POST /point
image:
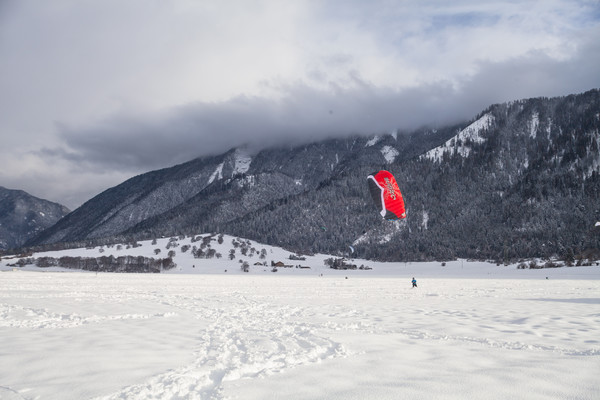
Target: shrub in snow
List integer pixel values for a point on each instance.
(45, 262)
(108, 264)
(551, 264)
(25, 261)
(339, 263)
(198, 253)
(245, 266)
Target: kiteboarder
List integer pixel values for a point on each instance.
(414, 282)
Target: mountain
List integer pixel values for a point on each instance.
(519, 180)
(22, 216)
(219, 189)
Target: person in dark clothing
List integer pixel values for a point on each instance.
(414, 282)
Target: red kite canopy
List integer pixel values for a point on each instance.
(386, 195)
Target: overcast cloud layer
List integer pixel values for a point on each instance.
(94, 92)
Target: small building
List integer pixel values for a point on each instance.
(280, 264)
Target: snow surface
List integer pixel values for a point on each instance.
(533, 125)
(242, 162)
(471, 330)
(218, 174)
(373, 141)
(470, 133)
(389, 153)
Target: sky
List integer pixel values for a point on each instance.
(94, 92)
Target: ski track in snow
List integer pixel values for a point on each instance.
(251, 342)
(42, 318)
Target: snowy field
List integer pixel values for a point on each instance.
(469, 331)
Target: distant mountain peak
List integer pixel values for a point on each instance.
(22, 216)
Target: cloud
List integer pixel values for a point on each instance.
(301, 113)
(94, 91)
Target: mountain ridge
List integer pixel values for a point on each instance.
(22, 216)
(499, 187)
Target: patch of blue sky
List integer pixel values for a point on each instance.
(463, 20)
(592, 16)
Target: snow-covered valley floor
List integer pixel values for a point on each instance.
(266, 336)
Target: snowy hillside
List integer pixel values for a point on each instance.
(460, 144)
(217, 254)
(217, 258)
